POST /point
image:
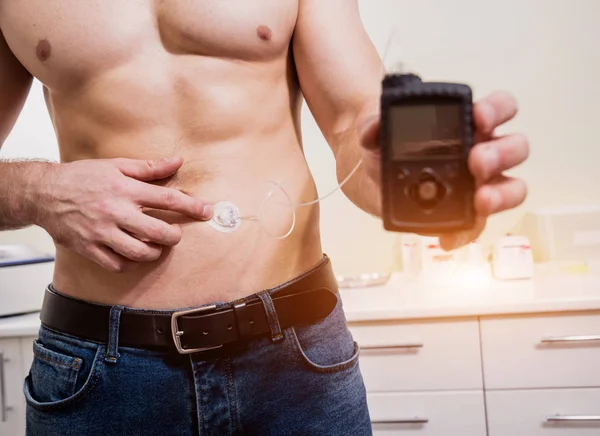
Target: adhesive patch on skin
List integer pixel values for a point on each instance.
(264, 33)
(226, 217)
(43, 50)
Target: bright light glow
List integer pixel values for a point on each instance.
(474, 276)
(461, 276)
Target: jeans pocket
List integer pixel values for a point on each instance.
(326, 346)
(62, 372)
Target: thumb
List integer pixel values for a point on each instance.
(369, 132)
(146, 170)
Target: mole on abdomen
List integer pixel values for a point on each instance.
(43, 50)
(264, 33)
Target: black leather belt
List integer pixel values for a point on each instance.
(303, 300)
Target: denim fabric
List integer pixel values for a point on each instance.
(308, 383)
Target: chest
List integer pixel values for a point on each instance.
(74, 39)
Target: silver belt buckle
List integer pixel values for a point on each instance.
(178, 333)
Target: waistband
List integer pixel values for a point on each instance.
(304, 299)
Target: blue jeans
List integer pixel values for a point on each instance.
(309, 383)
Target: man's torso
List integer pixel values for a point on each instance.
(212, 81)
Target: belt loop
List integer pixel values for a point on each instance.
(276, 333)
(112, 348)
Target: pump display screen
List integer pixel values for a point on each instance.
(421, 130)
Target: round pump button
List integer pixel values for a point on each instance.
(428, 190)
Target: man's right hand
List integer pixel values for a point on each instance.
(94, 207)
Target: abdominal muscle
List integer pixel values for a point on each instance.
(235, 126)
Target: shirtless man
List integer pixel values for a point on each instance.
(214, 87)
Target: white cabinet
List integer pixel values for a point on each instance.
(544, 412)
(428, 413)
(541, 351)
(420, 356)
(539, 375)
(423, 377)
(17, 354)
(12, 404)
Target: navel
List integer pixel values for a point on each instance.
(264, 33)
(43, 50)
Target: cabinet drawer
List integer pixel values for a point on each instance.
(410, 356)
(428, 413)
(541, 351)
(12, 402)
(548, 412)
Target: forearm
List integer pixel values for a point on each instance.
(361, 188)
(21, 185)
(340, 76)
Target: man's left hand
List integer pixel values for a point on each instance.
(489, 158)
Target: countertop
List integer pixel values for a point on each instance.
(23, 325)
(403, 298)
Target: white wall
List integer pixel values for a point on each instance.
(543, 51)
(32, 137)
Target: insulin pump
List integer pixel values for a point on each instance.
(426, 135)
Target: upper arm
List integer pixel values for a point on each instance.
(15, 82)
(338, 67)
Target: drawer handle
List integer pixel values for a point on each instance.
(3, 407)
(390, 347)
(567, 418)
(402, 421)
(590, 338)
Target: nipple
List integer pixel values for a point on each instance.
(226, 217)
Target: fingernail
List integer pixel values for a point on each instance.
(207, 212)
(448, 242)
(495, 201)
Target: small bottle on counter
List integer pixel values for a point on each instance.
(410, 255)
(438, 266)
(407, 255)
(512, 258)
(474, 252)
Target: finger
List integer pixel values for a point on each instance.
(107, 258)
(147, 170)
(132, 248)
(502, 194)
(149, 229)
(158, 197)
(489, 159)
(455, 240)
(492, 111)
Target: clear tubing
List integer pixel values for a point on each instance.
(293, 206)
(289, 201)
